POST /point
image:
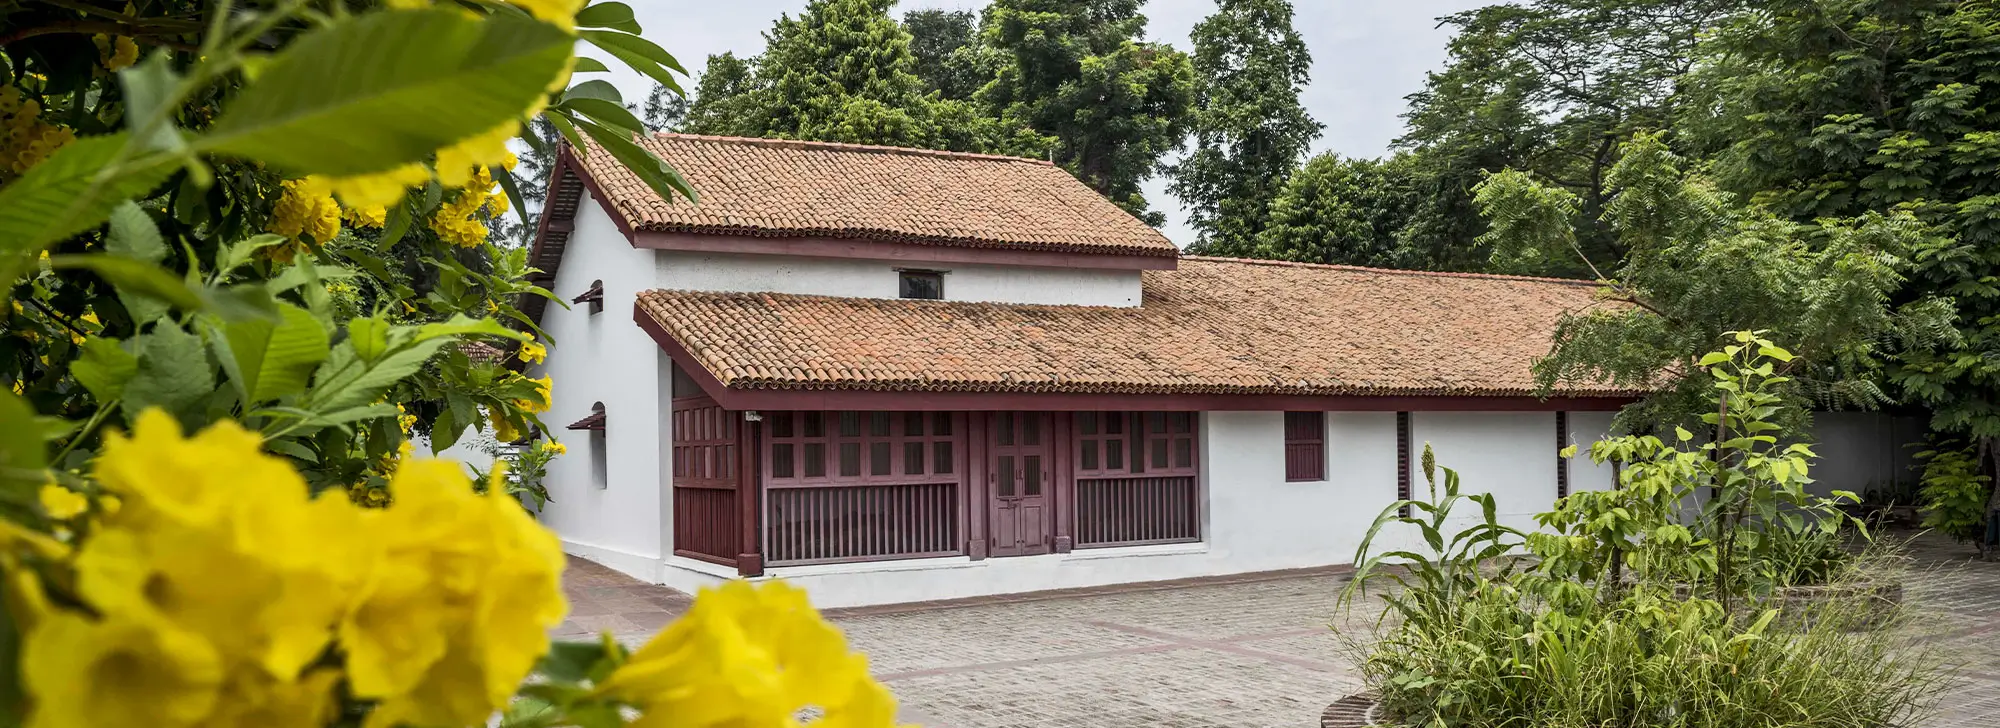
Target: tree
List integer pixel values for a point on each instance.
(1697, 266)
(1249, 128)
(1339, 210)
(1552, 87)
(842, 71)
(665, 109)
(1079, 71)
(723, 99)
(947, 52)
(1837, 108)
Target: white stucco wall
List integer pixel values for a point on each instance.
(605, 358)
(1862, 451)
(1586, 428)
(877, 279)
(1509, 454)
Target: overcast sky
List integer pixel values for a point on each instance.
(1367, 55)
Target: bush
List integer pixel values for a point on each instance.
(1628, 612)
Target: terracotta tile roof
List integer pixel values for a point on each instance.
(783, 188)
(1215, 326)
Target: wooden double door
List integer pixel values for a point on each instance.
(1019, 468)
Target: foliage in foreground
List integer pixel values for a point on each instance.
(1630, 613)
(269, 232)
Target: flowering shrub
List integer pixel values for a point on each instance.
(264, 223)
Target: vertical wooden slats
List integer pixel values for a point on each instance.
(707, 514)
(1562, 463)
(1135, 511)
(862, 523)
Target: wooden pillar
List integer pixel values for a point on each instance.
(976, 505)
(1061, 448)
(749, 498)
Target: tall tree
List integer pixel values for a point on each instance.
(664, 109)
(1836, 108)
(1552, 87)
(1249, 128)
(1336, 210)
(1081, 72)
(723, 99)
(842, 71)
(945, 45)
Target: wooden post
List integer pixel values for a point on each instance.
(1063, 486)
(977, 507)
(749, 499)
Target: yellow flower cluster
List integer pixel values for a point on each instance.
(371, 192)
(116, 52)
(555, 447)
(750, 657)
(560, 13)
(405, 420)
(222, 594)
(541, 401)
(461, 220)
(302, 210)
(24, 139)
(62, 503)
(533, 353)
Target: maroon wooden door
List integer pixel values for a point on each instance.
(1018, 477)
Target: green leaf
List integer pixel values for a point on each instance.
(135, 277)
(506, 180)
(134, 234)
(642, 55)
(288, 447)
(462, 325)
(369, 337)
(72, 191)
(594, 90)
(238, 253)
(301, 274)
(22, 451)
(104, 368)
(586, 64)
(273, 359)
(1714, 357)
(242, 302)
(346, 382)
(606, 113)
(617, 16)
(389, 88)
(173, 374)
(641, 161)
(355, 414)
(148, 87)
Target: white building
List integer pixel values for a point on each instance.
(892, 375)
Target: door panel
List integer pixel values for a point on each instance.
(1018, 469)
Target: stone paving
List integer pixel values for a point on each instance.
(1248, 652)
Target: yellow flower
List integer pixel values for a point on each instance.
(560, 13)
(368, 216)
(457, 220)
(62, 503)
(504, 431)
(118, 671)
(748, 655)
(304, 209)
(555, 447)
(116, 53)
(460, 163)
(460, 604)
(533, 353)
(380, 189)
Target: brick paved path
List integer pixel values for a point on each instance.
(1247, 653)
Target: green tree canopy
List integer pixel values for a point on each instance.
(1080, 71)
(1249, 128)
(722, 98)
(946, 46)
(1340, 210)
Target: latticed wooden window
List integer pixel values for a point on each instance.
(1305, 446)
(861, 447)
(1110, 444)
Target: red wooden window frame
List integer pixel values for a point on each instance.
(1305, 446)
(1562, 463)
(1128, 444)
(1403, 490)
(814, 448)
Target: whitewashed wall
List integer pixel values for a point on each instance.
(878, 279)
(1586, 428)
(618, 518)
(1509, 454)
(1860, 451)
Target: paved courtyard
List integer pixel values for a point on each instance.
(1250, 652)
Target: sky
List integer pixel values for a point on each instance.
(1367, 55)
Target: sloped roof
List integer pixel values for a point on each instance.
(1214, 326)
(784, 188)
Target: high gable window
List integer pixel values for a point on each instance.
(921, 284)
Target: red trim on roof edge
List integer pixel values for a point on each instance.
(568, 156)
(895, 251)
(849, 399)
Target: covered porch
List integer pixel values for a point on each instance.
(762, 488)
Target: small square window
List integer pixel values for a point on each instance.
(923, 284)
